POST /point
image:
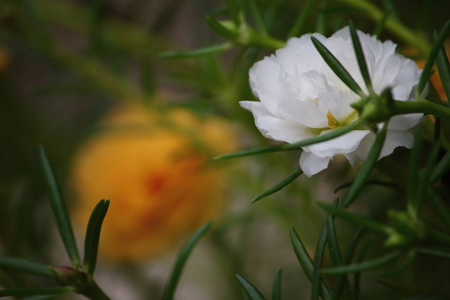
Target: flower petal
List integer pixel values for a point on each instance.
(346, 143)
(311, 164)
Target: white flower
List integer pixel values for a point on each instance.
(301, 97)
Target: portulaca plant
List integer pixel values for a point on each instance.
(301, 97)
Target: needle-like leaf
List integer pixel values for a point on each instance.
(337, 67)
(93, 236)
(367, 168)
(306, 263)
(197, 52)
(301, 20)
(356, 219)
(35, 291)
(181, 261)
(280, 185)
(360, 57)
(221, 29)
(251, 291)
(257, 16)
(317, 264)
(443, 67)
(443, 253)
(364, 266)
(296, 146)
(59, 209)
(426, 72)
(20, 265)
(441, 168)
(276, 290)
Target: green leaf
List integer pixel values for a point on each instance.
(301, 20)
(342, 280)
(441, 168)
(426, 72)
(321, 26)
(425, 179)
(280, 185)
(364, 266)
(251, 290)
(59, 209)
(35, 291)
(402, 267)
(197, 52)
(333, 245)
(235, 11)
(356, 219)
(181, 261)
(369, 182)
(20, 265)
(367, 168)
(440, 208)
(414, 163)
(337, 67)
(360, 57)
(93, 236)
(296, 146)
(221, 29)
(306, 262)
(443, 67)
(257, 17)
(318, 258)
(382, 23)
(276, 290)
(442, 253)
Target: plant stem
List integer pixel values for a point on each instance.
(95, 292)
(409, 107)
(392, 25)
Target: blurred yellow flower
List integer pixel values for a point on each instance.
(158, 175)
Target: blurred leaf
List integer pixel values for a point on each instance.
(443, 67)
(426, 72)
(337, 67)
(280, 185)
(295, 146)
(442, 253)
(356, 219)
(440, 207)
(35, 291)
(93, 236)
(367, 168)
(425, 179)
(369, 182)
(276, 290)
(360, 57)
(306, 262)
(59, 209)
(414, 162)
(256, 16)
(402, 267)
(321, 26)
(381, 24)
(235, 10)
(221, 29)
(197, 52)
(359, 258)
(333, 244)
(342, 280)
(317, 264)
(181, 261)
(20, 265)
(367, 265)
(301, 20)
(424, 14)
(251, 291)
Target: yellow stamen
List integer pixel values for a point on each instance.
(332, 122)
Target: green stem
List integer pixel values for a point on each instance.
(96, 293)
(409, 107)
(392, 25)
(257, 39)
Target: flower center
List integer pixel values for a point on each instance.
(332, 122)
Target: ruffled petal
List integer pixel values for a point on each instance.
(311, 164)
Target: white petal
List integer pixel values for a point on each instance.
(311, 164)
(346, 143)
(276, 128)
(304, 113)
(394, 139)
(404, 122)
